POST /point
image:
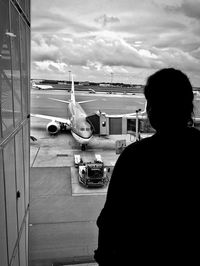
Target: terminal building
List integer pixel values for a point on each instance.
(14, 131)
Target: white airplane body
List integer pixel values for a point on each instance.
(41, 86)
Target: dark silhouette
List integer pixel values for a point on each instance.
(151, 210)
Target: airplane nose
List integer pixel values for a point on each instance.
(87, 134)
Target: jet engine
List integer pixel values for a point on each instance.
(53, 127)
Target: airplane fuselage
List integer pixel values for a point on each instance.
(80, 128)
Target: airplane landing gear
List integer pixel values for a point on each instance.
(83, 147)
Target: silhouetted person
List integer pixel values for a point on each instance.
(151, 213)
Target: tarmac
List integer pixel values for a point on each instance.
(63, 213)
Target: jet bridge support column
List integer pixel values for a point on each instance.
(104, 124)
(124, 125)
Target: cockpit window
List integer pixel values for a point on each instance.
(85, 129)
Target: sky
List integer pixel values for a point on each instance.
(114, 40)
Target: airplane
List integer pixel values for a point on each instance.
(41, 86)
(81, 130)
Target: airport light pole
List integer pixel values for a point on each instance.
(111, 77)
(137, 125)
(69, 75)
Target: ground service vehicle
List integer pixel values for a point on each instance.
(92, 174)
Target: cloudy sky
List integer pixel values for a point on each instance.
(129, 38)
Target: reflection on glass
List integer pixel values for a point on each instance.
(20, 177)
(10, 185)
(5, 72)
(24, 67)
(16, 65)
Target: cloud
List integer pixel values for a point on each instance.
(177, 58)
(191, 8)
(110, 50)
(122, 36)
(53, 21)
(42, 51)
(104, 20)
(196, 53)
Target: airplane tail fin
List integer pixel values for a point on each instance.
(72, 90)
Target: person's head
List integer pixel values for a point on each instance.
(169, 98)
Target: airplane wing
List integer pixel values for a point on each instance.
(141, 114)
(53, 118)
(63, 101)
(130, 115)
(87, 101)
(57, 100)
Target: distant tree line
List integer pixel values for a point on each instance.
(88, 83)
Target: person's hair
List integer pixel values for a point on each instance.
(169, 98)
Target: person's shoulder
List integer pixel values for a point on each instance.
(193, 133)
(139, 145)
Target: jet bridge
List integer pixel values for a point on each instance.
(104, 124)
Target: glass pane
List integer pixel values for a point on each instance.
(22, 248)
(9, 170)
(28, 50)
(16, 65)
(24, 68)
(5, 71)
(26, 139)
(3, 240)
(22, 4)
(27, 8)
(27, 238)
(15, 260)
(20, 177)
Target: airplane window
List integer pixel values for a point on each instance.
(82, 129)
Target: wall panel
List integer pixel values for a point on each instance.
(3, 227)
